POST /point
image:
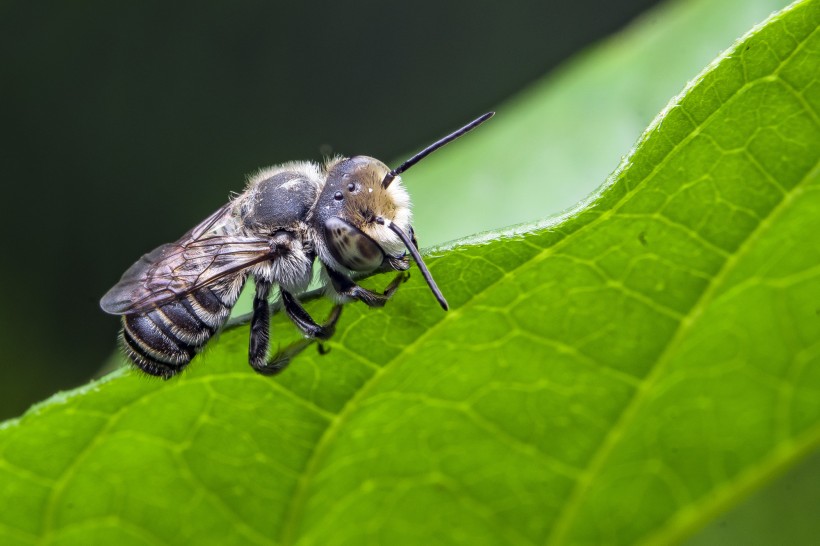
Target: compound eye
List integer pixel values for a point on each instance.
(338, 196)
(351, 247)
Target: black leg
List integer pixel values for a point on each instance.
(400, 263)
(282, 358)
(392, 263)
(346, 287)
(260, 329)
(304, 321)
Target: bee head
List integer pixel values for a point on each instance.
(354, 194)
(363, 212)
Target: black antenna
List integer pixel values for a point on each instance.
(388, 178)
(416, 256)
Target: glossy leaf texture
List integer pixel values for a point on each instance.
(616, 375)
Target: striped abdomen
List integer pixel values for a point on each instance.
(163, 341)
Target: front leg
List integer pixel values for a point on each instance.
(305, 322)
(393, 263)
(349, 289)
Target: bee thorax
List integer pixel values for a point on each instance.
(279, 196)
(290, 265)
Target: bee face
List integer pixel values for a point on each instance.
(352, 198)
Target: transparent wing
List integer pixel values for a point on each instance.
(211, 225)
(199, 258)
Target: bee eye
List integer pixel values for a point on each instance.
(351, 186)
(338, 196)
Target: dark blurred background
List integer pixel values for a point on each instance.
(124, 124)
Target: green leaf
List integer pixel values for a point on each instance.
(620, 374)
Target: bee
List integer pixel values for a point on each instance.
(352, 214)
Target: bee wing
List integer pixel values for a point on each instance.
(174, 270)
(200, 258)
(209, 225)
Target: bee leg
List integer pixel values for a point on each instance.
(392, 263)
(347, 288)
(282, 358)
(260, 331)
(305, 322)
